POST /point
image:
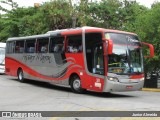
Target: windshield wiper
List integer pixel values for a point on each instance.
(138, 72)
(128, 59)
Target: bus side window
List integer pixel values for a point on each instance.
(42, 45)
(74, 44)
(30, 46)
(57, 45)
(19, 48)
(31, 49)
(10, 47)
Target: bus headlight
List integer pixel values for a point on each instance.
(142, 79)
(115, 79)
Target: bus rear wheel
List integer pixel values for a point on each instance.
(20, 75)
(76, 85)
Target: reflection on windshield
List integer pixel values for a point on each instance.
(136, 60)
(118, 60)
(124, 61)
(2, 55)
(127, 54)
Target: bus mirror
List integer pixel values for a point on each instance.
(151, 49)
(108, 46)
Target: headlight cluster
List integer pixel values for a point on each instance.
(142, 79)
(115, 79)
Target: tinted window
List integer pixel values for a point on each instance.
(10, 47)
(74, 44)
(127, 54)
(19, 48)
(42, 45)
(57, 45)
(30, 46)
(91, 40)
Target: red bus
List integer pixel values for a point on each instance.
(86, 58)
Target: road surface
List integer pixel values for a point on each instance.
(39, 96)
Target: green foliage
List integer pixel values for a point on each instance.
(106, 14)
(148, 27)
(55, 16)
(145, 22)
(35, 20)
(59, 14)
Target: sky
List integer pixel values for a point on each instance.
(147, 3)
(26, 3)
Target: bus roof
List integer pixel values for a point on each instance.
(69, 31)
(110, 30)
(2, 45)
(88, 28)
(28, 37)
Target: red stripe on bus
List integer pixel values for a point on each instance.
(35, 73)
(136, 76)
(71, 32)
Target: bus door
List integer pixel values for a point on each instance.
(94, 60)
(98, 66)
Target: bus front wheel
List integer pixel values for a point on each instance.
(76, 85)
(20, 75)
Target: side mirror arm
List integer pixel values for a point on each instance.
(151, 48)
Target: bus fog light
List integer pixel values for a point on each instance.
(113, 79)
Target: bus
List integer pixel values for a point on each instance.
(85, 58)
(2, 57)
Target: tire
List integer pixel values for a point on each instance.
(20, 75)
(76, 85)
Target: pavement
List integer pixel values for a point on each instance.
(151, 89)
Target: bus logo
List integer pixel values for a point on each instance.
(130, 39)
(6, 114)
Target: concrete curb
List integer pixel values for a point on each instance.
(151, 89)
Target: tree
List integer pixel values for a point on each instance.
(55, 16)
(8, 25)
(147, 26)
(106, 14)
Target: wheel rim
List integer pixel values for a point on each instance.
(20, 75)
(76, 84)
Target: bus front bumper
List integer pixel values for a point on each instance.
(112, 86)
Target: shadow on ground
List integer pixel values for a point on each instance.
(65, 89)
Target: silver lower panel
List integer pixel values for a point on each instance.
(111, 86)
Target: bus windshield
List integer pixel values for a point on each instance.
(127, 54)
(2, 55)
